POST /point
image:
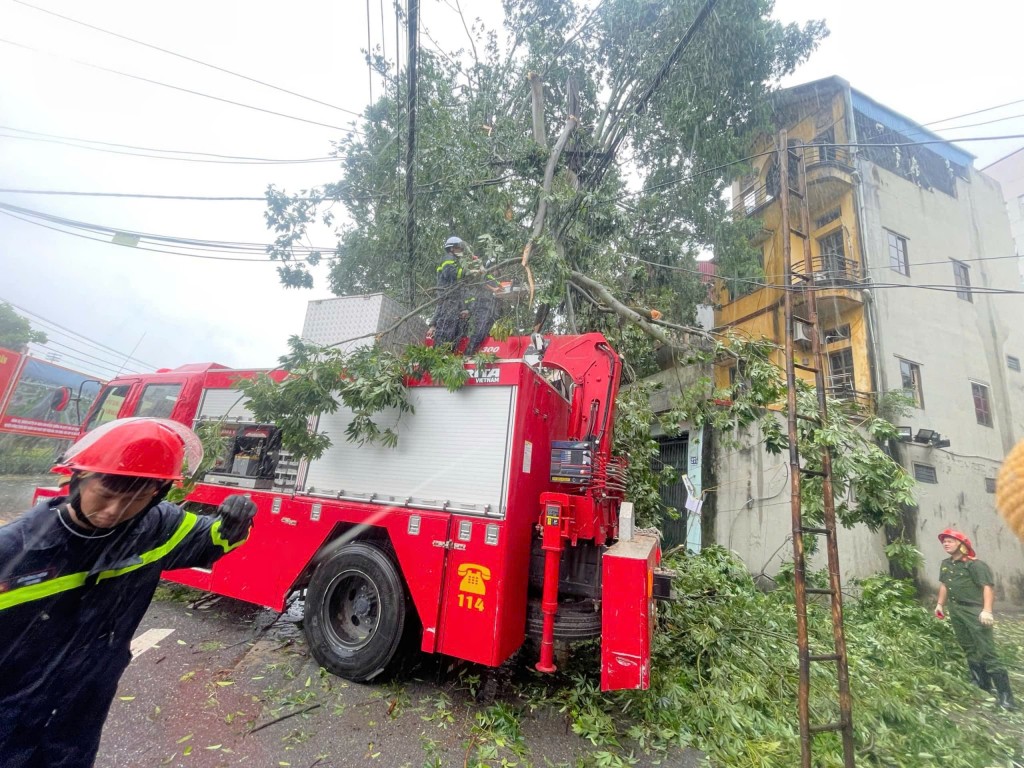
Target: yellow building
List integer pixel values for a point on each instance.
(918, 291)
(815, 120)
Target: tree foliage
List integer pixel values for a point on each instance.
(853, 436)
(16, 332)
(637, 187)
(724, 680)
(369, 381)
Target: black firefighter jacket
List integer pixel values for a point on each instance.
(69, 607)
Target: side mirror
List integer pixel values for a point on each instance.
(60, 399)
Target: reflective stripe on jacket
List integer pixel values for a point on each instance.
(69, 607)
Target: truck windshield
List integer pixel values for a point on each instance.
(108, 406)
(158, 400)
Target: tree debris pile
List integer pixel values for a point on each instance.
(724, 680)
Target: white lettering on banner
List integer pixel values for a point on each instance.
(490, 350)
(485, 375)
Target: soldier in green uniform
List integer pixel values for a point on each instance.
(967, 583)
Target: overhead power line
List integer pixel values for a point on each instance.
(135, 195)
(178, 87)
(168, 239)
(976, 112)
(155, 153)
(89, 232)
(739, 161)
(92, 342)
(116, 365)
(188, 58)
(106, 369)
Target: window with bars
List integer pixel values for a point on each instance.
(982, 404)
(840, 366)
(833, 253)
(910, 376)
(925, 473)
(898, 253)
(1013, 363)
(990, 485)
(962, 278)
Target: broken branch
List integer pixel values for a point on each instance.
(276, 720)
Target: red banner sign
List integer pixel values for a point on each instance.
(9, 362)
(44, 400)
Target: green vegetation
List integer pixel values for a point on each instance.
(724, 680)
(23, 455)
(16, 331)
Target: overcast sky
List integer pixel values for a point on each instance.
(922, 61)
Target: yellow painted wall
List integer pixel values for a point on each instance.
(759, 314)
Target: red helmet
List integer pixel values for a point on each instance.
(950, 533)
(135, 447)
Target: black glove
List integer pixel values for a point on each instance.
(236, 514)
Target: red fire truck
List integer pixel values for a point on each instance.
(499, 514)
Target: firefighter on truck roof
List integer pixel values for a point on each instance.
(449, 322)
(77, 574)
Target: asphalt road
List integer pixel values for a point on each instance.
(224, 683)
(223, 689)
(16, 493)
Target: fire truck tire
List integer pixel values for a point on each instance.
(576, 620)
(355, 612)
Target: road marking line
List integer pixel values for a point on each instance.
(147, 640)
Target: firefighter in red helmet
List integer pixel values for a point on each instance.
(77, 574)
(967, 584)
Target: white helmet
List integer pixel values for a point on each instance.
(453, 242)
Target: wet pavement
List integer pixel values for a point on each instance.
(16, 493)
(222, 683)
(224, 688)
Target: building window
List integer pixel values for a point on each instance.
(990, 485)
(840, 365)
(898, 253)
(749, 197)
(832, 335)
(827, 152)
(982, 404)
(910, 374)
(962, 278)
(925, 473)
(833, 254)
(828, 218)
(1013, 363)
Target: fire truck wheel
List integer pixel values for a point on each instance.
(355, 612)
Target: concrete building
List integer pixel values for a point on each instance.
(1009, 172)
(907, 239)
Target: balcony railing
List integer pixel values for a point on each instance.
(832, 270)
(827, 154)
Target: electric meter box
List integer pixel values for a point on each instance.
(572, 461)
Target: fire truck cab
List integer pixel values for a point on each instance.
(498, 515)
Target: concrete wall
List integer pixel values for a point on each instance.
(752, 514)
(954, 342)
(1009, 172)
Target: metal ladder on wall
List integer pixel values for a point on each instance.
(801, 282)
